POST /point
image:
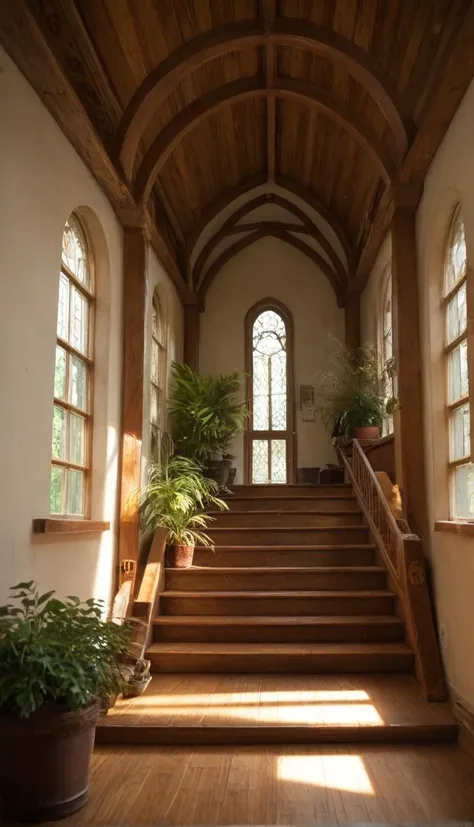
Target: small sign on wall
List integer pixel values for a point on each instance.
(307, 403)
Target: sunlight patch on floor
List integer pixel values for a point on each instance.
(337, 772)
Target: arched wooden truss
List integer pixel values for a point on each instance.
(286, 88)
(243, 35)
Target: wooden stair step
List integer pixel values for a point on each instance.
(379, 602)
(304, 502)
(296, 535)
(266, 578)
(291, 658)
(294, 490)
(270, 555)
(286, 519)
(242, 629)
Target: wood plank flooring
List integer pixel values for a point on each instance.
(144, 786)
(227, 709)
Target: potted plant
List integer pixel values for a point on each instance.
(350, 402)
(175, 498)
(57, 659)
(205, 415)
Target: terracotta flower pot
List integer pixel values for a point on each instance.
(44, 762)
(179, 557)
(367, 432)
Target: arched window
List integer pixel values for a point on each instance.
(158, 380)
(269, 345)
(461, 470)
(72, 423)
(387, 349)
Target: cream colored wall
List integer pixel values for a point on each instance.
(450, 180)
(270, 268)
(42, 181)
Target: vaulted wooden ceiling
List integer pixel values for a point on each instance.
(181, 106)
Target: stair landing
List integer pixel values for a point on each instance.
(278, 709)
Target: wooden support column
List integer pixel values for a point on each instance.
(409, 435)
(191, 334)
(352, 319)
(134, 309)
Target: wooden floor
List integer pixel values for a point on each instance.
(291, 785)
(232, 709)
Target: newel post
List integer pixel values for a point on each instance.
(409, 435)
(134, 316)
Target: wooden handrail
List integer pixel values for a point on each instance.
(403, 555)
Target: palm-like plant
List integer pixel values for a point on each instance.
(205, 412)
(176, 497)
(350, 393)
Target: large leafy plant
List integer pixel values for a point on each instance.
(176, 497)
(205, 412)
(56, 650)
(351, 392)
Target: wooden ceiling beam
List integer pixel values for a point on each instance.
(282, 235)
(247, 88)
(455, 74)
(268, 17)
(249, 34)
(231, 226)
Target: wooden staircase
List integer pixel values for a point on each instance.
(295, 586)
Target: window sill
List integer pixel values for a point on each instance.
(455, 527)
(61, 525)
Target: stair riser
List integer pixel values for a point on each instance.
(293, 504)
(277, 606)
(189, 580)
(228, 519)
(242, 557)
(281, 664)
(289, 536)
(291, 491)
(337, 633)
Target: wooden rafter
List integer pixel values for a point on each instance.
(247, 88)
(283, 235)
(267, 17)
(243, 35)
(231, 227)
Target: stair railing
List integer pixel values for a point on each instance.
(403, 556)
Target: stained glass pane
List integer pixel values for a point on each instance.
(457, 372)
(75, 493)
(278, 460)
(77, 439)
(278, 389)
(74, 252)
(155, 362)
(79, 327)
(56, 490)
(457, 314)
(261, 402)
(456, 257)
(78, 383)
(59, 433)
(260, 461)
(154, 405)
(63, 307)
(60, 373)
(463, 491)
(155, 442)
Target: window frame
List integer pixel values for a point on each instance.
(450, 407)
(162, 362)
(89, 293)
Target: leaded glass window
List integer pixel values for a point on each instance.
(458, 405)
(269, 397)
(387, 349)
(71, 437)
(157, 380)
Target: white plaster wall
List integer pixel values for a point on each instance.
(270, 268)
(42, 181)
(450, 180)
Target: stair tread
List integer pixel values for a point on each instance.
(290, 548)
(286, 620)
(228, 648)
(328, 527)
(292, 594)
(239, 570)
(326, 512)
